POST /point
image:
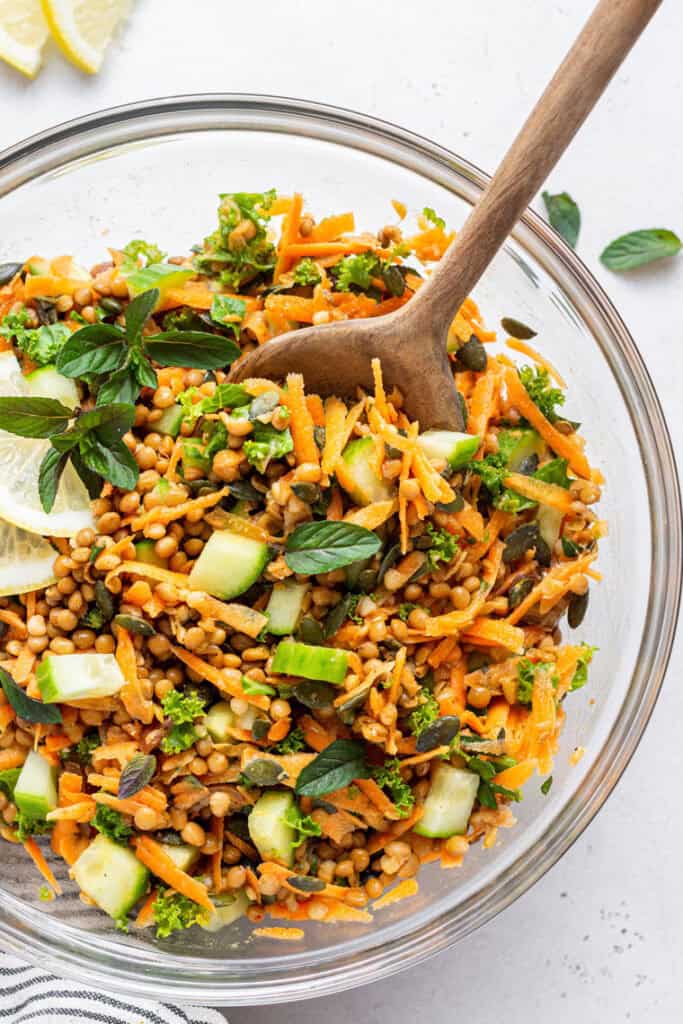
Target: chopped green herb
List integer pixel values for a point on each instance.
(139, 253)
(425, 713)
(82, 751)
(581, 674)
(429, 214)
(536, 380)
(267, 443)
(182, 709)
(111, 824)
(525, 680)
(389, 777)
(304, 825)
(443, 548)
(546, 784)
(234, 254)
(307, 273)
(292, 743)
(173, 913)
(569, 548)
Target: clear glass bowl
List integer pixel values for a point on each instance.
(153, 170)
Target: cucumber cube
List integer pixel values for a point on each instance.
(284, 607)
(219, 720)
(310, 662)
(64, 677)
(449, 446)
(46, 382)
(111, 875)
(36, 792)
(228, 564)
(229, 908)
(268, 828)
(449, 802)
(183, 856)
(358, 475)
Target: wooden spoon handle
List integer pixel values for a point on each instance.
(581, 79)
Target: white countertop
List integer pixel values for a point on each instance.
(599, 939)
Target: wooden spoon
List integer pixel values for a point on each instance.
(411, 342)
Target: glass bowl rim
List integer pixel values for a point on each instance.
(93, 959)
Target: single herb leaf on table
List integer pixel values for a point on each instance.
(564, 215)
(640, 247)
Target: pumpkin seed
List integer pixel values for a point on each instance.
(244, 491)
(477, 660)
(111, 306)
(520, 541)
(472, 355)
(306, 883)
(310, 631)
(438, 734)
(577, 609)
(457, 505)
(319, 437)
(104, 601)
(310, 493)
(519, 591)
(264, 772)
(390, 558)
(338, 616)
(9, 271)
(528, 465)
(367, 581)
(394, 280)
(516, 329)
(314, 694)
(260, 728)
(134, 624)
(543, 553)
(356, 700)
(462, 405)
(47, 313)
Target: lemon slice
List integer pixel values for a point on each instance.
(23, 31)
(83, 28)
(26, 561)
(20, 459)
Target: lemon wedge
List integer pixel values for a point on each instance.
(83, 28)
(20, 459)
(23, 32)
(26, 561)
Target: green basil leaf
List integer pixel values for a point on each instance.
(135, 776)
(33, 417)
(196, 350)
(564, 215)
(113, 462)
(121, 386)
(516, 329)
(26, 707)
(322, 546)
(97, 348)
(138, 313)
(109, 422)
(50, 473)
(334, 768)
(91, 481)
(640, 247)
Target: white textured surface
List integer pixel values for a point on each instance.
(599, 939)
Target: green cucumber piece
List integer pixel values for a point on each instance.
(163, 276)
(449, 446)
(449, 803)
(46, 382)
(219, 719)
(183, 856)
(35, 792)
(144, 552)
(358, 476)
(549, 524)
(268, 828)
(64, 677)
(193, 455)
(310, 662)
(228, 564)
(229, 908)
(284, 607)
(170, 421)
(518, 445)
(111, 875)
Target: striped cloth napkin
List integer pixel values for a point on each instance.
(30, 996)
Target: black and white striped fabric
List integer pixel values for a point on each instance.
(29, 996)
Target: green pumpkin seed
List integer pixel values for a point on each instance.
(260, 728)
(338, 616)
(390, 558)
(577, 610)
(264, 772)
(477, 660)
(516, 329)
(310, 493)
(8, 271)
(111, 306)
(104, 600)
(367, 581)
(356, 700)
(46, 310)
(134, 624)
(472, 355)
(319, 437)
(306, 883)
(310, 631)
(438, 734)
(457, 505)
(528, 465)
(315, 694)
(394, 280)
(519, 591)
(520, 541)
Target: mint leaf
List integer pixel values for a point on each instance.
(322, 546)
(191, 349)
(52, 466)
(564, 215)
(640, 247)
(97, 348)
(228, 312)
(33, 417)
(26, 707)
(334, 768)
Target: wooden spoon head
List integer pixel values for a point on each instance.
(334, 359)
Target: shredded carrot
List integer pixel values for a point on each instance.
(408, 887)
(293, 307)
(316, 409)
(335, 509)
(134, 701)
(442, 651)
(482, 404)
(282, 934)
(12, 757)
(564, 446)
(513, 778)
(332, 227)
(219, 679)
(35, 853)
(335, 433)
(318, 250)
(494, 633)
(279, 730)
(7, 715)
(540, 491)
(168, 514)
(556, 581)
(406, 467)
(453, 623)
(12, 620)
(399, 828)
(378, 797)
(290, 232)
(523, 346)
(372, 516)
(301, 423)
(380, 395)
(145, 916)
(238, 616)
(396, 674)
(470, 519)
(171, 474)
(315, 734)
(421, 758)
(222, 520)
(154, 857)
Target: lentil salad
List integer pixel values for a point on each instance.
(302, 647)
